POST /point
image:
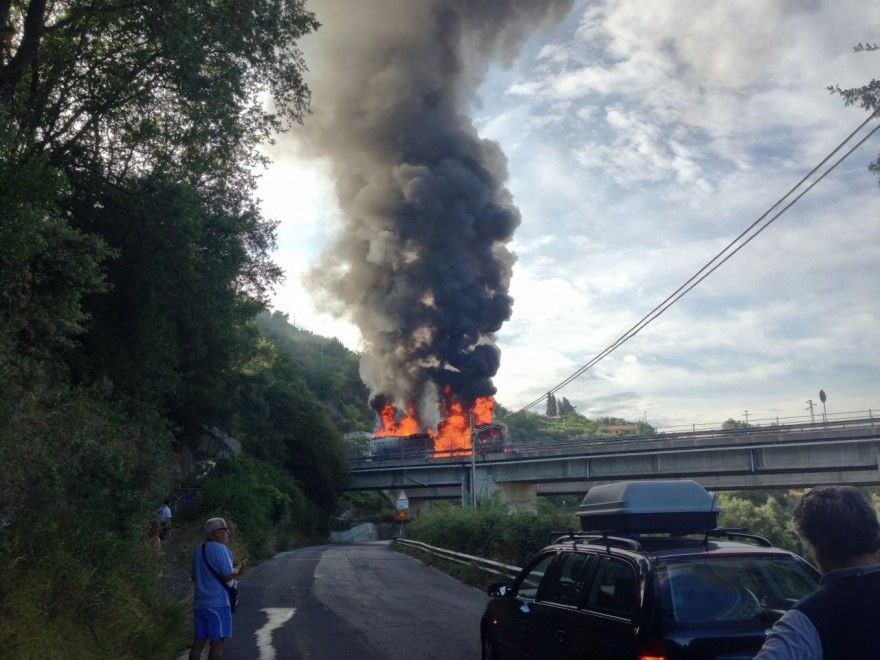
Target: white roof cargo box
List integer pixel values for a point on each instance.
(676, 506)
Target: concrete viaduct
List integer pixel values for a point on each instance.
(785, 456)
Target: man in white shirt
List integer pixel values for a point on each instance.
(163, 515)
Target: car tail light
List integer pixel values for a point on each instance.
(655, 650)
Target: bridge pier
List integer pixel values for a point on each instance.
(520, 495)
(517, 494)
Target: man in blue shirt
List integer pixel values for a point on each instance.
(212, 614)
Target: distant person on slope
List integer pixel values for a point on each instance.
(163, 515)
(839, 621)
(212, 569)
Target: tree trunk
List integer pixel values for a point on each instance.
(12, 73)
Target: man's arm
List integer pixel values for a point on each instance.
(794, 637)
(236, 570)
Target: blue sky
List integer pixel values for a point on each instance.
(641, 138)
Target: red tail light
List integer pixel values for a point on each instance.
(655, 650)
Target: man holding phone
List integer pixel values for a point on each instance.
(213, 574)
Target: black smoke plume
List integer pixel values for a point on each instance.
(421, 265)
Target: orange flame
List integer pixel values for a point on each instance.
(453, 435)
(454, 432)
(408, 425)
(483, 409)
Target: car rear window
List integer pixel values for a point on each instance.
(733, 589)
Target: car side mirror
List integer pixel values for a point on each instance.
(498, 589)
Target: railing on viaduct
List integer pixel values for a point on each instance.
(840, 450)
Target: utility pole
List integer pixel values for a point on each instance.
(473, 463)
(809, 407)
(746, 413)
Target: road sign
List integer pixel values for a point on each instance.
(402, 516)
(402, 501)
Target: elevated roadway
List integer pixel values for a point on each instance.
(790, 455)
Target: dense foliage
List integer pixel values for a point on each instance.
(133, 260)
(495, 532)
(491, 530)
(866, 96)
(569, 426)
(329, 369)
(280, 421)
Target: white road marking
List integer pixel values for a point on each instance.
(276, 617)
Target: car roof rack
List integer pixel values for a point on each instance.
(610, 538)
(607, 538)
(739, 533)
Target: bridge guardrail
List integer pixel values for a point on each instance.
(617, 442)
(494, 567)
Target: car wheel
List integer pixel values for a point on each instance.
(487, 646)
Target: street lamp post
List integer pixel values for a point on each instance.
(473, 463)
(474, 457)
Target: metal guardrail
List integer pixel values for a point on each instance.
(778, 420)
(494, 567)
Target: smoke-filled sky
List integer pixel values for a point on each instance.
(420, 265)
(639, 138)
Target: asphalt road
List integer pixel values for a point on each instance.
(354, 602)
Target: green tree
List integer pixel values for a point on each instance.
(174, 327)
(565, 408)
(153, 84)
(865, 96)
(552, 410)
(329, 369)
(772, 519)
(46, 267)
(133, 257)
(281, 422)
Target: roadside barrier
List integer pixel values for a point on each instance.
(494, 567)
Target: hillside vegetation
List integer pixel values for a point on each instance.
(329, 369)
(570, 426)
(133, 263)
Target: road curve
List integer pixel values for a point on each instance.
(354, 602)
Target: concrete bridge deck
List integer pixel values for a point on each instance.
(794, 455)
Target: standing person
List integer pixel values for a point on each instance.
(839, 621)
(163, 515)
(154, 539)
(212, 613)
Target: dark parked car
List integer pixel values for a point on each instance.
(639, 590)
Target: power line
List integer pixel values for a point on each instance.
(719, 259)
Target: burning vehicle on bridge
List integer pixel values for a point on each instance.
(401, 435)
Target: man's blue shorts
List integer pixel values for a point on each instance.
(213, 623)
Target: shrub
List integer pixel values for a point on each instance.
(265, 504)
(76, 498)
(491, 530)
